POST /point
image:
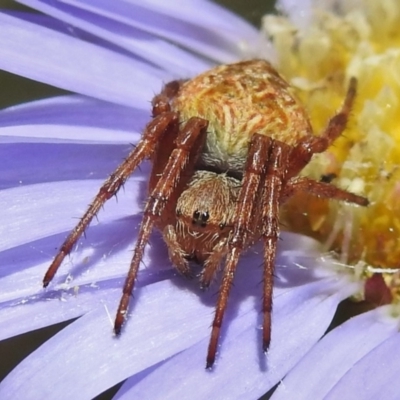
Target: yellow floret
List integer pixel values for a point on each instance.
(319, 60)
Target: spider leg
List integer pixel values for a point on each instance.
(273, 184)
(152, 134)
(161, 102)
(242, 231)
(190, 139)
(320, 189)
(302, 153)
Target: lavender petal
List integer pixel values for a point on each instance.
(57, 59)
(335, 355)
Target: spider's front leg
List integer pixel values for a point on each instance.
(165, 122)
(245, 217)
(177, 172)
(152, 134)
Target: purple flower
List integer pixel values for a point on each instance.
(114, 56)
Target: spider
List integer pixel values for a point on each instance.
(226, 148)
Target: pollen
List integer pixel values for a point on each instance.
(318, 61)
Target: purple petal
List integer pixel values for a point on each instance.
(38, 217)
(337, 354)
(88, 343)
(307, 310)
(55, 349)
(213, 43)
(207, 14)
(57, 59)
(102, 257)
(52, 162)
(376, 376)
(144, 45)
(40, 311)
(16, 315)
(243, 38)
(74, 119)
(35, 212)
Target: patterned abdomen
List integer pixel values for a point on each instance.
(239, 100)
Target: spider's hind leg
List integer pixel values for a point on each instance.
(302, 153)
(321, 189)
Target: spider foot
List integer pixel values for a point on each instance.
(265, 347)
(210, 364)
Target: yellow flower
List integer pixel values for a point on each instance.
(319, 60)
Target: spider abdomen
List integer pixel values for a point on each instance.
(239, 100)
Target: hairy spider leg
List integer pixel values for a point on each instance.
(164, 147)
(165, 122)
(273, 185)
(302, 153)
(320, 189)
(161, 102)
(180, 165)
(256, 162)
(153, 133)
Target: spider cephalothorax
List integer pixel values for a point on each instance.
(227, 148)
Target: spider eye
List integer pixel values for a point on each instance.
(200, 218)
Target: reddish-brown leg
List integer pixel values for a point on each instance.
(161, 101)
(270, 228)
(152, 134)
(302, 153)
(320, 189)
(257, 159)
(165, 123)
(164, 147)
(190, 139)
